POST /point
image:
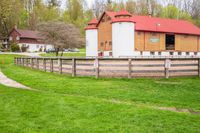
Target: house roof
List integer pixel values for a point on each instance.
(92, 24)
(29, 34)
(153, 24)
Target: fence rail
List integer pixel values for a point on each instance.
(119, 67)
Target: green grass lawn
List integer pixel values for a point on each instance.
(66, 104)
(82, 53)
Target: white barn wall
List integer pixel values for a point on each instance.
(36, 47)
(123, 39)
(92, 43)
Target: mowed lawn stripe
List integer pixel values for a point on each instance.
(31, 111)
(65, 104)
(179, 92)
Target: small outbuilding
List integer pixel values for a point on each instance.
(29, 41)
(121, 34)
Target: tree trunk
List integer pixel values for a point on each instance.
(57, 51)
(5, 28)
(62, 53)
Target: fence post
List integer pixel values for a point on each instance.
(199, 67)
(51, 65)
(167, 66)
(22, 61)
(27, 62)
(73, 67)
(32, 63)
(37, 63)
(15, 61)
(96, 65)
(129, 67)
(60, 65)
(44, 64)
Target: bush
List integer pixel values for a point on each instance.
(14, 47)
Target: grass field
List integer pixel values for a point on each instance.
(82, 53)
(65, 104)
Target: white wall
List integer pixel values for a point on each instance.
(123, 39)
(36, 47)
(91, 42)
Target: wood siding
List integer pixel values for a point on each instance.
(14, 35)
(199, 44)
(105, 34)
(183, 43)
(144, 41)
(186, 43)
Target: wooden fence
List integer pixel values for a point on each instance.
(116, 67)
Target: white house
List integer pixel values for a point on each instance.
(29, 41)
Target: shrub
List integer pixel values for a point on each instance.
(14, 47)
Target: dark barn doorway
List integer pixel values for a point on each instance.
(170, 41)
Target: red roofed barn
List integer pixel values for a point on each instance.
(120, 34)
(30, 41)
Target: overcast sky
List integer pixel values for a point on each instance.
(90, 2)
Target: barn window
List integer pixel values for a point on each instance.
(102, 44)
(179, 53)
(159, 53)
(17, 38)
(110, 43)
(109, 19)
(171, 53)
(195, 53)
(139, 33)
(187, 53)
(10, 38)
(152, 53)
(110, 53)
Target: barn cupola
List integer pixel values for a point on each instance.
(91, 32)
(123, 14)
(123, 30)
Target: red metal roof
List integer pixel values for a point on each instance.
(146, 23)
(123, 13)
(92, 24)
(153, 24)
(29, 34)
(93, 21)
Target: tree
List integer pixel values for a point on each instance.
(9, 15)
(61, 35)
(98, 7)
(131, 6)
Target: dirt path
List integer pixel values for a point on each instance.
(11, 83)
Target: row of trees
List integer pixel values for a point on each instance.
(176, 9)
(28, 14)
